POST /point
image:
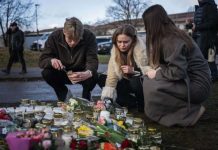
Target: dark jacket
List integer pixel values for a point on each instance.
(205, 17)
(17, 40)
(206, 21)
(80, 58)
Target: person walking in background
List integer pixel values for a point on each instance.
(180, 77)
(205, 30)
(189, 26)
(128, 62)
(16, 41)
(69, 57)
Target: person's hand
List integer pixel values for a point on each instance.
(151, 74)
(75, 77)
(193, 27)
(56, 64)
(127, 69)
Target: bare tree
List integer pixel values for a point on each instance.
(127, 10)
(15, 10)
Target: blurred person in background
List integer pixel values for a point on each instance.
(205, 31)
(16, 48)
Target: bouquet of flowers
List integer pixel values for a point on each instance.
(109, 134)
(84, 131)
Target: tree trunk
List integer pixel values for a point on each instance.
(3, 34)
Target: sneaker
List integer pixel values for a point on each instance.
(6, 71)
(200, 113)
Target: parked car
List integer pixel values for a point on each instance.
(142, 35)
(105, 47)
(40, 43)
(100, 39)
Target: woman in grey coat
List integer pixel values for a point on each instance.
(180, 80)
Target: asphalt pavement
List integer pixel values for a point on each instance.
(15, 86)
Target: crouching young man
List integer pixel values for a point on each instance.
(69, 57)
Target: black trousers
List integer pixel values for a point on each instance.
(129, 91)
(204, 49)
(13, 58)
(58, 80)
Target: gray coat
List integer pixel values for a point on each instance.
(180, 86)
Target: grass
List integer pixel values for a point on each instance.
(32, 57)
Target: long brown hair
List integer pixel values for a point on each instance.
(158, 25)
(131, 32)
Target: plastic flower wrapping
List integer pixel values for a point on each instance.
(70, 105)
(99, 126)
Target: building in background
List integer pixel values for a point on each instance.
(107, 29)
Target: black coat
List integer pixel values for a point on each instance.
(17, 40)
(15, 43)
(206, 21)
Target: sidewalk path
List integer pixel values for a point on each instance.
(32, 74)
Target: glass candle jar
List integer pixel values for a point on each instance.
(55, 131)
(25, 102)
(119, 113)
(43, 103)
(133, 134)
(125, 111)
(39, 115)
(33, 102)
(27, 123)
(67, 129)
(138, 122)
(39, 126)
(59, 103)
(96, 113)
(144, 147)
(58, 115)
(47, 122)
(129, 119)
(78, 115)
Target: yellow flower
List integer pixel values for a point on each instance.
(120, 124)
(84, 130)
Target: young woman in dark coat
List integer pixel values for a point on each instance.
(180, 79)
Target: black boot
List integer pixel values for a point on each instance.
(6, 71)
(23, 72)
(140, 106)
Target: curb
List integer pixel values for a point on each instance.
(21, 79)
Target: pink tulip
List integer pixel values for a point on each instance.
(46, 144)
